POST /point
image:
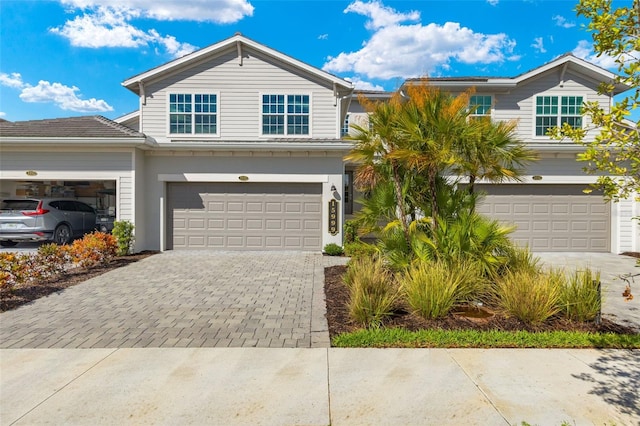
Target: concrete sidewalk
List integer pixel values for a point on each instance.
(322, 386)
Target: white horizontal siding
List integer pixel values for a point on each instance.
(240, 88)
(519, 103)
(627, 228)
(125, 198)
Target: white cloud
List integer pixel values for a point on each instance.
(584, 50)
(218, 11)
(413, 50)
(64, 97)
(380, 15)
(3, 114)
(561, 21)
(364, 85)
(11, 80)
(105, 27)
(493, 2)
(323, 37)
(108, 23)
(538, 44)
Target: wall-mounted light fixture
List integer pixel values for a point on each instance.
(333, 188)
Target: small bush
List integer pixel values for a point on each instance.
(581, 298)
(333, 249)
(52, 259)
(123, 231)
(520, 259)
(433, 288)
(94, 249)
(359, 249)
(350, 232)
(15, 270)
(372, 292)
(529, 296)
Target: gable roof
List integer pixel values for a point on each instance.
(95, 126)
(564, 62)
(237, 40)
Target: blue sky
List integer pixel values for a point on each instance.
(69, 57)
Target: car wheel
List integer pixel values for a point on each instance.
(8, 243)
(62, 235)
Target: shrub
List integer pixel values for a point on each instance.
(581, 296)
(350, 232)
(531, 297)
(123, 231)
(94, 249)
(372, 291)
(52, 259)
(332, 249)
(433, 288)
(359, 249)
(520, 259)
(15, 270)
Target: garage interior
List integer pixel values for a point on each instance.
(100, 194)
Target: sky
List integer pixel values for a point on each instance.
(64, 58)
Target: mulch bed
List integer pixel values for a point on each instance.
(336, 295)
(29, 293)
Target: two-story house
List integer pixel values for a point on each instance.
(238, 146)
(549, 206)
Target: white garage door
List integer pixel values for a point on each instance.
(551, 217)
(245, 216)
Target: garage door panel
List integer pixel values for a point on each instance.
(246, 217)
(550, 217)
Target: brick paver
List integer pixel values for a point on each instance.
(184, 299)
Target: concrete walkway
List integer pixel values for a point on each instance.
(184, 299)
(240, 386)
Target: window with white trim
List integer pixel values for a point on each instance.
(480, 106)
(193, 114)
(345, 126)
(554, 111)
(285, 114)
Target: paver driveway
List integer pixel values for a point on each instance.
(184, 299)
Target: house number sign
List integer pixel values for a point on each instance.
(333, 217)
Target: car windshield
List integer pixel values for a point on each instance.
(19, 205)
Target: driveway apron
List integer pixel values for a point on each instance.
(184, 299)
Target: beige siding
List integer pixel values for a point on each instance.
(47, 161)
(239, 89)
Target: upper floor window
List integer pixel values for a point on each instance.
(285, 114)
(480, 106)
(553, 111)
(193, 114)
(345, 126)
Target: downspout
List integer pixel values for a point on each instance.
(143, 101)
(564, 70)
(239, 47)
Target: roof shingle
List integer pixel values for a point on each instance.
(95, 126)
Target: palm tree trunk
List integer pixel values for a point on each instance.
(400, 201)
(433, 189)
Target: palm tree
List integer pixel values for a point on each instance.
(491, 151)
(374, 151)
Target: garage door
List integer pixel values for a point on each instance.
(551, 217)
(245, 216)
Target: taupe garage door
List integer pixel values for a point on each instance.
(551, 217)
(245, 216)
